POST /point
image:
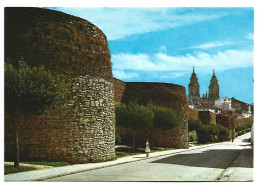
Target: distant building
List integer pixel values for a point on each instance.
(206, 102)
(223, 103)
(211, 101)
(213, 88)
(194, 89)
(241, 108)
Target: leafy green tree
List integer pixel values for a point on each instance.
(135, 117)
(224, 133)
(203, 134)
(28, 91)
(194, 124)
(165, 119)
(212, 133)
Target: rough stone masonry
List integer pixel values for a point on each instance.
(82, 128)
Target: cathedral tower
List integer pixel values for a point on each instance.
(194, 88)
(213, 88)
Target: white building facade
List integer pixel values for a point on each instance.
(223, 103)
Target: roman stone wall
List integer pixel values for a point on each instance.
(119, 89)
(207, 117)
(167, 95)
(192, 113)
(243, 121)
(233, 125)
(83, 127)
(224, 120)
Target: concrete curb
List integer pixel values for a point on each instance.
(40, 175)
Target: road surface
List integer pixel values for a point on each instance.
(222, 162)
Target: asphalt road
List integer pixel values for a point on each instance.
(222, 162)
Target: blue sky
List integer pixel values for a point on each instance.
(163, 44)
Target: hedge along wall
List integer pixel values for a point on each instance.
(162, 94)
(83, 128)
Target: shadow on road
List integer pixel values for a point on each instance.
(216, 158)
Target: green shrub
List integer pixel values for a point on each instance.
(242, 129)
(135, 117)
(203, 134)
(212, 133)
(194, 124)
(224, 133)
(8, 169)
(213, 130)
(193, 136)
(29, 90)
(164, 118)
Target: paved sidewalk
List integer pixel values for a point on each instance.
(242, 168)
(38, 175)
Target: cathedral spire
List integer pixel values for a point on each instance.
(213, 88)
(194, 88)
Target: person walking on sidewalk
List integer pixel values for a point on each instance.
(147, 148)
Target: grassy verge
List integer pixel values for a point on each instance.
(11, 169)
(54, 164)
(240, 130)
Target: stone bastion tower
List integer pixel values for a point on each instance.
(160, 94)
(83, 128)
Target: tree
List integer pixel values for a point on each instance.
(165, 119)
(203, 134)
(194, 124)
(135, 117)
(28, 91)
(224, 133)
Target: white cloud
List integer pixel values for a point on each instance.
(172, 75)
(209, 45)
(228, 59)
(250, 36)
(133, 62)
(123, 75)
(118, 23)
